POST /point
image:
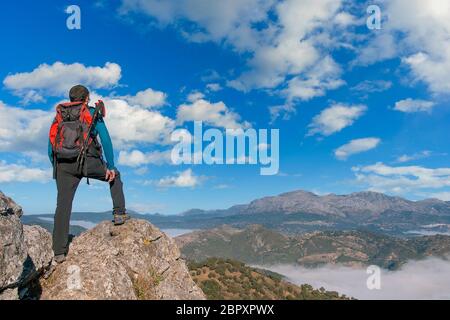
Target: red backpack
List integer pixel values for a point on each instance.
(70, 129)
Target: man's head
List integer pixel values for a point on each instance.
(78, 93)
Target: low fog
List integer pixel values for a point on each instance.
(427, 279)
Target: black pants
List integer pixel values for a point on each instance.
(67, 181)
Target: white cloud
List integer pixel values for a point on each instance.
(131, 119)
(36, 157)
(210, 75)
(383, 46)
(21, 173)
(356, 146)
(285, 111)
(314, 83)
(431, 70)
(402, 179)
(411, 105)
(144, 208)
(292, 47)
(335, 118)
(288, 42)
(426, 279)
(31, 96)
(216, 20)
(137, 158)
(222, 186)
(147, 98)
(444, 195)
(214, 114)
(184, 179)
(345, 19)
(194, 96)
(24, 130)
(370, 86)
(214, 87)
(141, 171)
(58, 78)
(415, 156)
(425, 26)
(417, 32)
(133, 125)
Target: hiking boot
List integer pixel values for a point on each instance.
(60, 258)
(120, 219)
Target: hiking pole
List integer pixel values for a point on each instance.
(81, 160)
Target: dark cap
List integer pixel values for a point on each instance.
(78, 93)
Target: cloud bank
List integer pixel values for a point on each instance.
(287, 43)
(22, 173)
(402, 179)
(427, 279)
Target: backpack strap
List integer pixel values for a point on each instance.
(54, 166)
(91, 119)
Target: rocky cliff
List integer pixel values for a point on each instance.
(133, 261)
(25, 251)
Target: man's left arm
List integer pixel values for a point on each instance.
(106, 143)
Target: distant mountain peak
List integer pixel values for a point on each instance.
(298, 193)
(369, 193)
(434, 200)
(357, 203)
(192, 212)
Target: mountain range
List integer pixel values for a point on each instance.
(261, 246)
(300, 212)
(359, 204)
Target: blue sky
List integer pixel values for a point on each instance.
(357, 108)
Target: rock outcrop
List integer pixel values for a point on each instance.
(25, 251)
(133, 261)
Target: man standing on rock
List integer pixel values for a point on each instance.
(75, 153)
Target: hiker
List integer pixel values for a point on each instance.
(75, 152)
